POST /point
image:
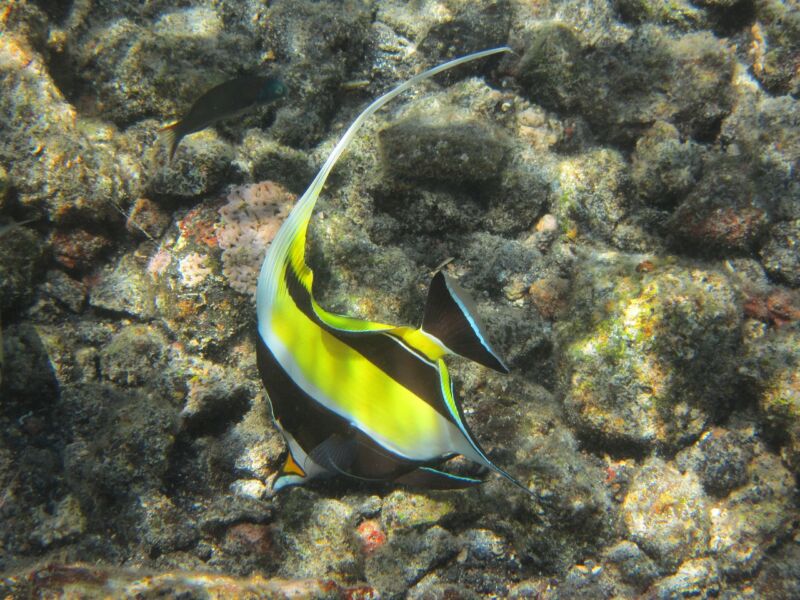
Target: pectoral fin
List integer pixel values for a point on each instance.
(336, 454)
(450, 317)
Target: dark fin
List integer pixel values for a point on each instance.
(433, 479)
(335, 454)
(171, 136)
(450, 316)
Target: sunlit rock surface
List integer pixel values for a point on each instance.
(619, 196)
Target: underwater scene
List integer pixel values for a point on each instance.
(429, 299)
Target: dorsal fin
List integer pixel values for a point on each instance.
(450, 317)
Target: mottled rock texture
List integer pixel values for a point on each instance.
(619, 196)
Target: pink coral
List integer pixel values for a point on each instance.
(193, 270)
(250, 220)
(159, 262)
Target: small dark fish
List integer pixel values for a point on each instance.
(221, 102)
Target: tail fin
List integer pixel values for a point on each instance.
(450, 318)
(171, 136)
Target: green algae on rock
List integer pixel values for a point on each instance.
(649, 357)
(772, 365)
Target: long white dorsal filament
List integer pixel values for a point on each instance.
(309, 198)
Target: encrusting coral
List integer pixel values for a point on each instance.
(250, 220)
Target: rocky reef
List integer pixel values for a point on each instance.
(619, 195)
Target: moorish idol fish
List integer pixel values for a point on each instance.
(225, 100)
(358, 398)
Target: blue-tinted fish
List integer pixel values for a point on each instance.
(358, 398)
(221, 102)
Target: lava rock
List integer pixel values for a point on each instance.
(441, 149)
(21, 254)
(754, 518)
(666, 514)
(585, 582)
(592, 193)
(162, 527)
(125, 287)
(772, 365)
(719, 216)
(633, 565)
(650, 365)
(66, 523)
(664, 167)
(201, 166)
(720, 458)
(680, 14)
(318, 45)
(78, 249)
(147, 218)
(776, 47)
(71, 169)
(272, 161)
(225, 511)
(476, 26)
(620, 87)
(121, 444)
(406, 557)
(762, 137)
(134, 356)
(780, 255)
(216, 400)
(314, 536)
(138, 62)
(29, 379)
(65, 290)
(697, 577)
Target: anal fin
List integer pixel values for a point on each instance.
(434, 479)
